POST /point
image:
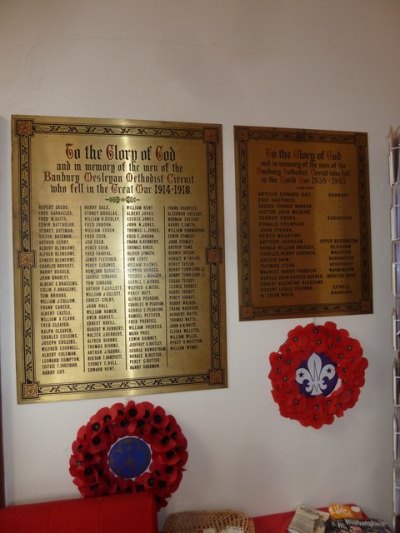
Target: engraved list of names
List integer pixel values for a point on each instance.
(119, 276)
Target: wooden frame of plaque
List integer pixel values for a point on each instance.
(303, 223)
(119, 257)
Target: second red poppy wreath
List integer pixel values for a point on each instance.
(317, 374)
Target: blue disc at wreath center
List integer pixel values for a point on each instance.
(129, 457)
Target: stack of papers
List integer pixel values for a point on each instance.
(308, 520)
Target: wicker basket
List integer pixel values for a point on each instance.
(197, 521)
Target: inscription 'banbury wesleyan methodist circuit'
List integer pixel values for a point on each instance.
(119, 274)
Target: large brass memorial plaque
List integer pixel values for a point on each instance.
(303, 223)
(119, 257)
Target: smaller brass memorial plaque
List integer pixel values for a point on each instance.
(303, 223)
(119, 257)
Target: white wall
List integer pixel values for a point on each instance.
(288, 63)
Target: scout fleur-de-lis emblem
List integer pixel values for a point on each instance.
(316, 376)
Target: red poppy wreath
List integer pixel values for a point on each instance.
(317, 374)
(129, 448)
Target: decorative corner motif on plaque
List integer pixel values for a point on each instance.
(247, 312)
(30, 390)
(214, 255)
(26, 259)
(360, 139)
(24, 127)
(216, 377)
(365, 305)
(242, 134)
(210, 135)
